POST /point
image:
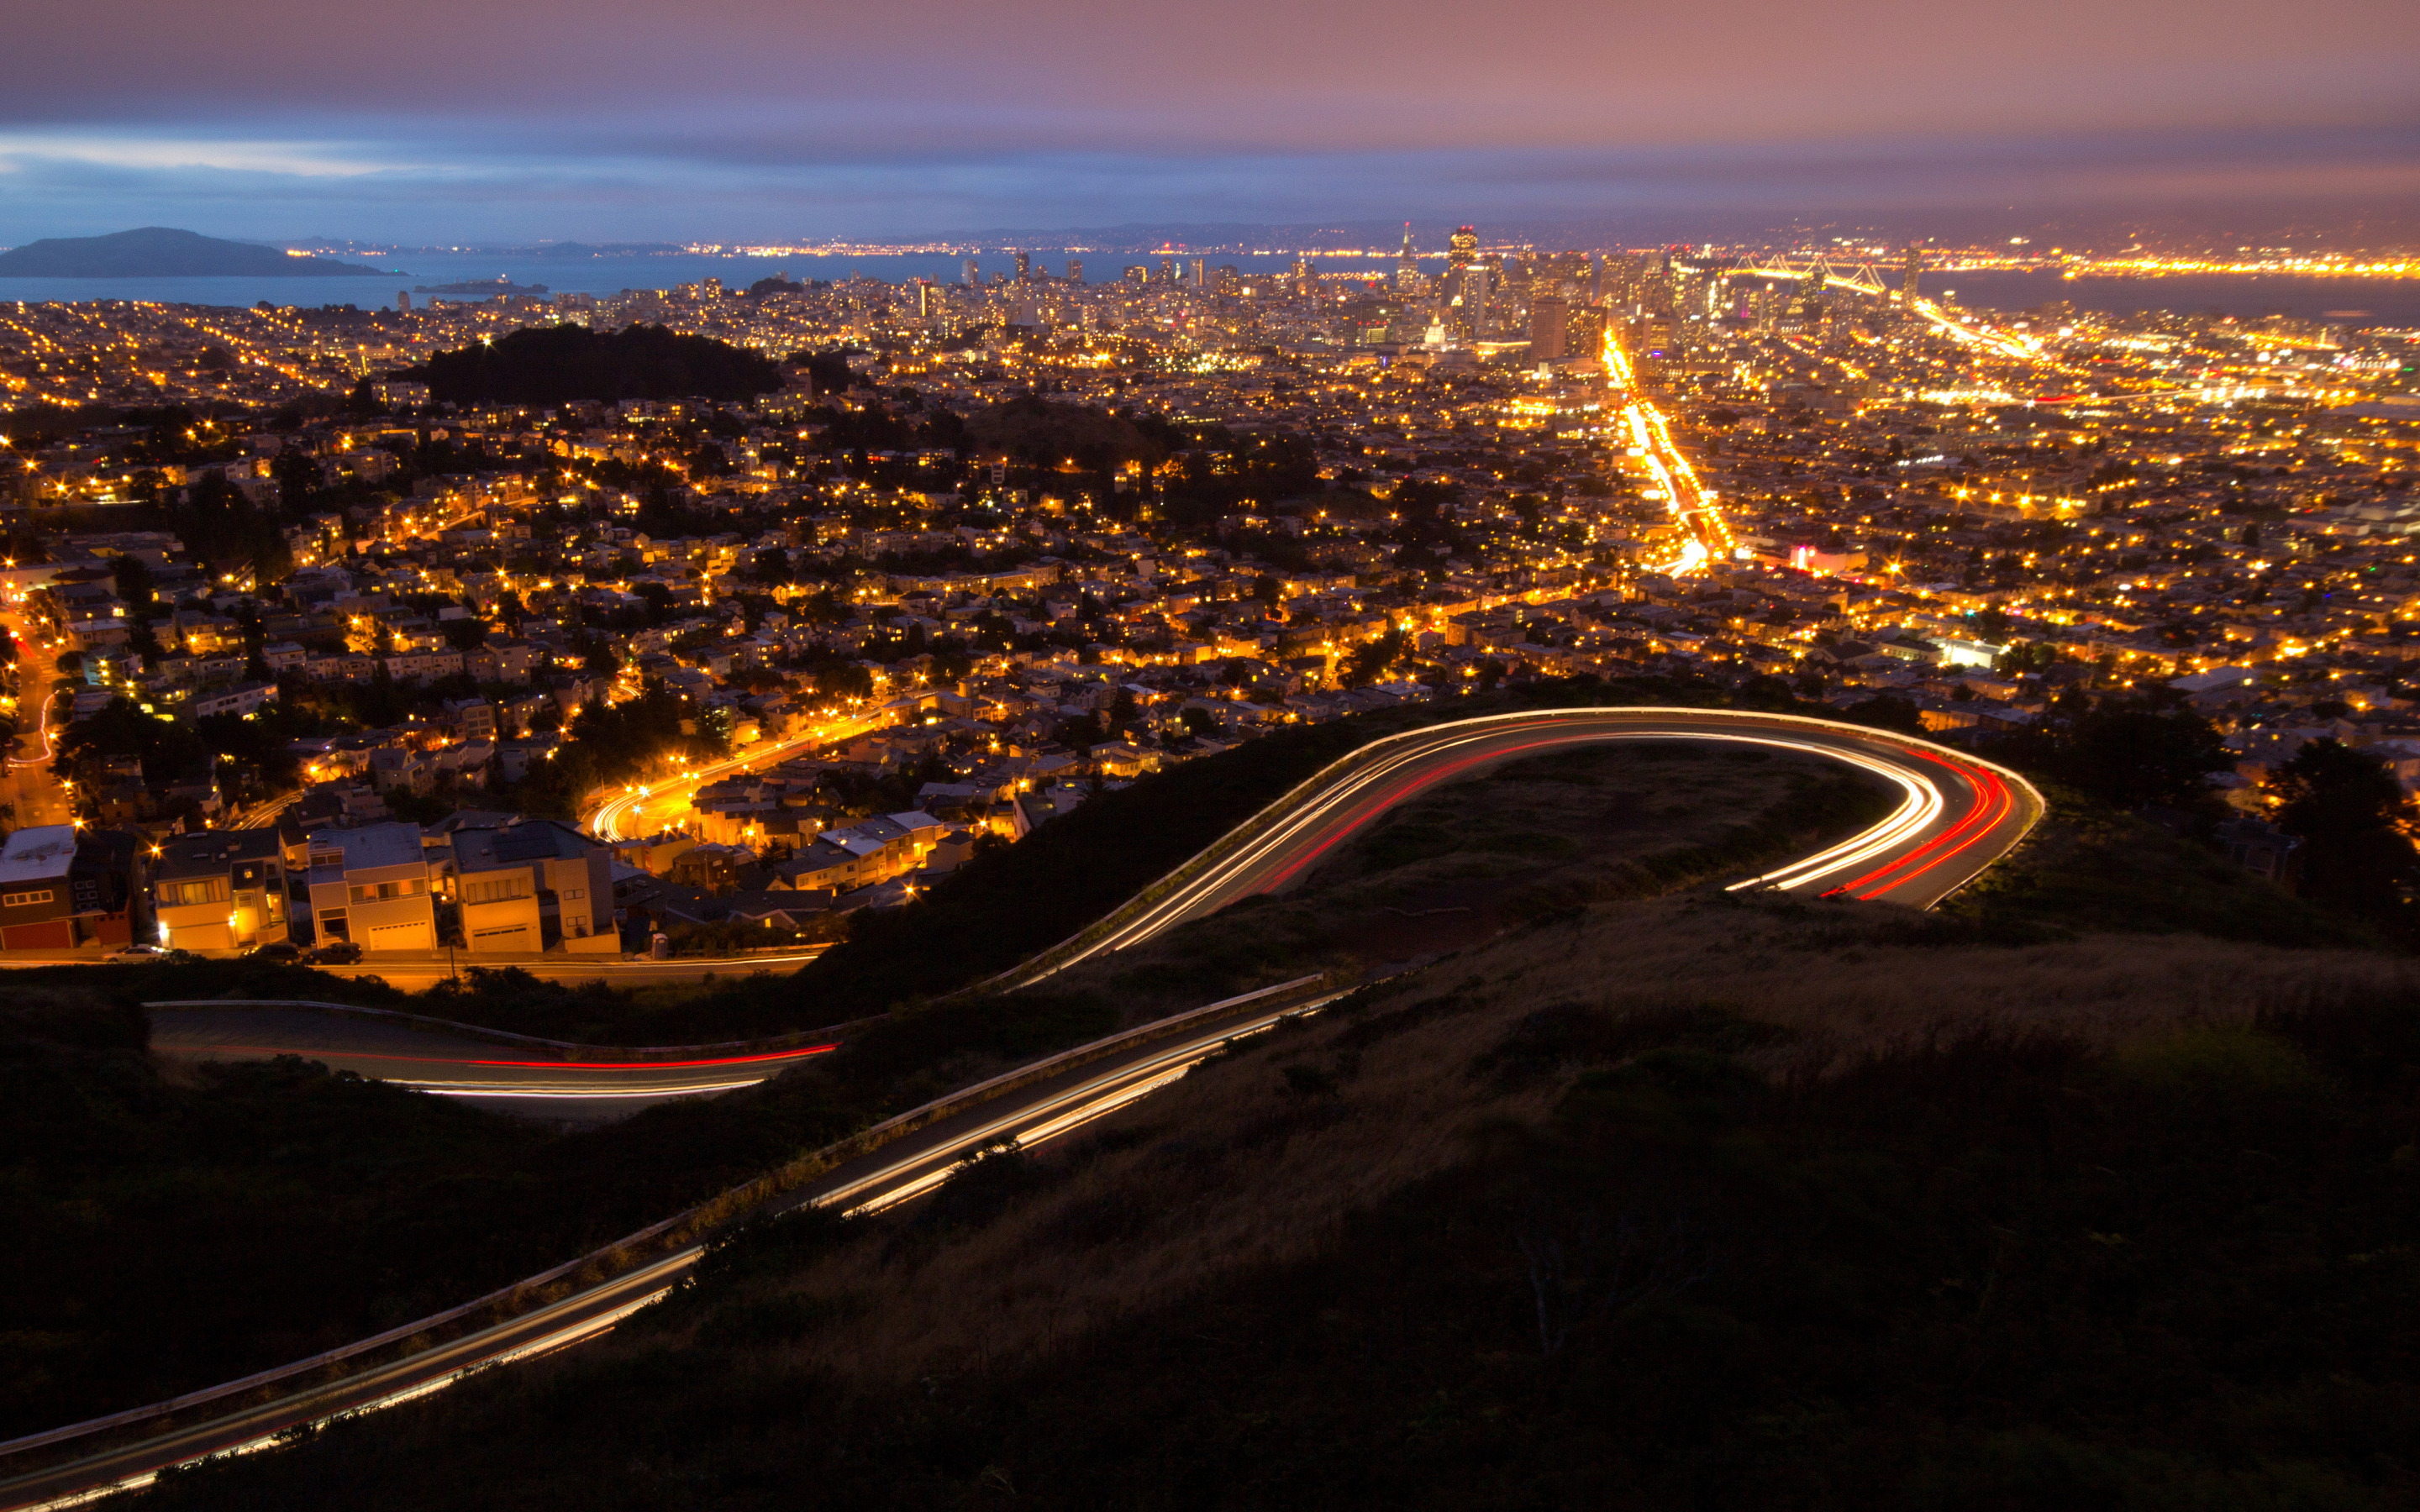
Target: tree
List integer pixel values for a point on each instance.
(133, 577)
(2128, 750)
(1369, 662)
(2355, 824)
(2152, 749)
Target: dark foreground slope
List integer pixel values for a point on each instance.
(1691, 1201)
(175, 1227)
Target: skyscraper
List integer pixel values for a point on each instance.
(1549, 324)
(1025, 268)
(1200, 275)
(1914, 269)
(1474, 300)
(972, 275)
(924, 298)
(403, 301)
(1168, 270)
(1463, 249)
(1075, 271)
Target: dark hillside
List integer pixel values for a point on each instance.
(160, 252)
(179, 1225)
(552, 365)
(1679, 1204)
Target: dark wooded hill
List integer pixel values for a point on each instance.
(552, 365)
(161, 252)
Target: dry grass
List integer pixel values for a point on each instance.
(1236, 1168)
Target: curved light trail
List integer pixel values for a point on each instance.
(896, 1174)
(1955, 814)
(620, 817)
(587, 1080)
(49, 745)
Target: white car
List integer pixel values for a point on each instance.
(134, 955)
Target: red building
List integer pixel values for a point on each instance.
(64, 889)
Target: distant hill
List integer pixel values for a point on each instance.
(551, 365)
(158, 251)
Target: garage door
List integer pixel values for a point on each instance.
(202, 936)
(507, 937)
(411, 936)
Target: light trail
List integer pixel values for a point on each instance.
(1321, 819)
(616, 819)
(595, 1310)
(769, 1058)
(50, 747)
(1708, 535)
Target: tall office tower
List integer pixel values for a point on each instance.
(1137, 273)
(403, 301)
(1549, 328)
(1200, 275)
(1025, 268)
(1596, 277)
(1584, 332)
(1305, 282)
(1408, 265)
(1474, 299)
(973, 276)
(924, 298)
(1168, 270)
(1463, 249)
(1912, 271)
(1075, 271)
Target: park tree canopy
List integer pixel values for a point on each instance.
(554, 364)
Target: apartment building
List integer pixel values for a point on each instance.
(874, 850)
(533, 886)
(222, 889)
(371, 886)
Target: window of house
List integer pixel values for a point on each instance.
(24, 900)
(197, 890)
(496, 891)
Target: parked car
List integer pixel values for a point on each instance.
(336, 953)
(136, 956)
(279, 950)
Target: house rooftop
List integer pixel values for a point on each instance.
(213, 850)
(371, 846)
(43, 851)
(534, 839)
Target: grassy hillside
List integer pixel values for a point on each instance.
(1610, 1196)
(178, 1225)
(1681, 1203)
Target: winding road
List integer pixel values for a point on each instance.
(562, 1084)
(1954, 817)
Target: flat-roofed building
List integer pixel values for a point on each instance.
(370, 886)
(533, 886)
(222, 889)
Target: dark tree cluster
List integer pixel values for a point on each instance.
(554, 364)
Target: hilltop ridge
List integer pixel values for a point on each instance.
(163, 252)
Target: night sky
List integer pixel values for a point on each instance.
(733, 119)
